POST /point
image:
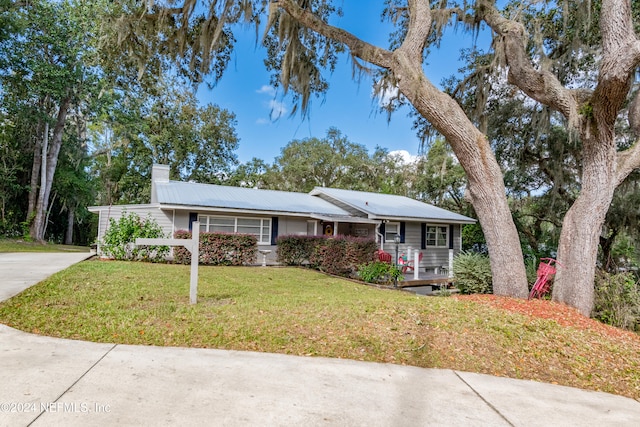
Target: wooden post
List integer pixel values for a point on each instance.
(195, 259)
(192, 245)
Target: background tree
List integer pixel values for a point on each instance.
(46, 68)
(333, 161)
(164, 125)
(440, 179)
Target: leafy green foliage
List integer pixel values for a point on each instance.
(118, 241)
(472, 273)
(379, 272)
(296, 250)
(332, 161)
(617, 300)
(219, 249)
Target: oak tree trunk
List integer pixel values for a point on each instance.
(486, 188)
(582, 226)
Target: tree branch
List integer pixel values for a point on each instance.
(365, 51)
(540, 85)
(418, 31)
(627, 161)
(620, 58)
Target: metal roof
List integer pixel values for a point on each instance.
(321, 202)
(381, 206)
(219, 196)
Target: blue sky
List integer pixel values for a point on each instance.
(348, 105)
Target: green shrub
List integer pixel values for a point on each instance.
(339, 255)
(379, 272)
(296, 250)
(617, 300)
(118, 241)
(531, 268)
(472, 273)
(219, 249)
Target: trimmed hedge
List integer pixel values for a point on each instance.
(340, 255)
(296, 250)
(219, 249)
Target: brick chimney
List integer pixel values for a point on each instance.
(159, 173)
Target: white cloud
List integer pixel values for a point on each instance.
(269, 90)
(385, 93)
(406, 157)
(278, 109)
(387, 96)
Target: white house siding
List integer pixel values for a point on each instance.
(412, 240)
(431, 257)
(106, 213)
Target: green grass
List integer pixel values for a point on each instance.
(297, 311)
(13, 245)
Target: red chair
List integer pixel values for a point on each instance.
(409, 264)
(384, 256)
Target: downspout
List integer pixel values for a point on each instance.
(379, 237)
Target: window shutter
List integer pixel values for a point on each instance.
(193, 217)
(423, 236)
(274, 229)
(402, 231)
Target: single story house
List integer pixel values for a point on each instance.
(175, 205)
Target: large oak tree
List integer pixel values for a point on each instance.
(302, 41)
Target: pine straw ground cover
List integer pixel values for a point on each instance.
(297, 311)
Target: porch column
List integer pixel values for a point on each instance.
(335, 228)
(450, 263)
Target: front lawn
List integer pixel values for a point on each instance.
(297, 311)
(17, 245)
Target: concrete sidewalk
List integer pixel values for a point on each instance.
(56, 382)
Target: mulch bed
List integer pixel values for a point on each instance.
(545, 309)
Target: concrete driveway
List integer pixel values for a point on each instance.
(19, 270)
(48, 381)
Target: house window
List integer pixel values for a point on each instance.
(437, 236)
(390, 231)
(259, 227)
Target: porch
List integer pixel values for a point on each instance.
(427, 283)
(428, 277)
